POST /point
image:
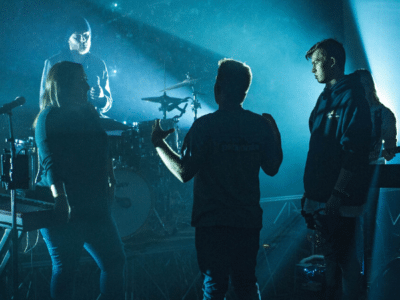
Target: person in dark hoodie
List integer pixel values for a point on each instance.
(78, 41)
(335, 178)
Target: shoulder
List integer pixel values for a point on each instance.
(351, 93)
(45, 117)
(96, 60)
(386, 112)
(60, 56)
(204, 120)
(254, 116)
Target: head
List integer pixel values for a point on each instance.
(66, 85)
(367, 82)
(79, 35)
(328, 59)
(232, 83)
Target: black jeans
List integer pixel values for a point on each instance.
(336, 237)
(228, 252)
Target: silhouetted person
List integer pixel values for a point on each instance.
(224, 151)
(75, 165)
(335, 178)
(76, 49)
(383, 142)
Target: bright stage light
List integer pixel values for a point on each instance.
(379, 29)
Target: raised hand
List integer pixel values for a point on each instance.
(96, 91)
(158, 134)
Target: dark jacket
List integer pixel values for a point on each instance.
(340, 126)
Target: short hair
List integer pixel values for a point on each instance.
(234, 77)
(331, 48)
(76, 23)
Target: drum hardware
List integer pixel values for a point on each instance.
(124, 147)
(195, 104)
(168, 103)
(190, 82)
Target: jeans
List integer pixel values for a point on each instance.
(101, 239)
(337, 242)
(225, 253)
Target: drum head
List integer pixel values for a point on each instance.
(132, 203)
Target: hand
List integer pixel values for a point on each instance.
(333, 205)
(96, 92)
(158, 134)
(62, 210)
(388, 154)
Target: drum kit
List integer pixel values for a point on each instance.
(149, 201)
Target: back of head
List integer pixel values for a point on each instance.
(234, 79)
(65, 85)
(331, 48)
(364, 77)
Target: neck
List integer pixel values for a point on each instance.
(332, 82)
(230, 107)
(77, 56)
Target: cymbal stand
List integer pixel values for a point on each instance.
(164, 106)
(195, 104)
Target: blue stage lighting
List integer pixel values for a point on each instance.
(378, 26)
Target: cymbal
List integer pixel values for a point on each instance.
(186, 82)
(164, 98)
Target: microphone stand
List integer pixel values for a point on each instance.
(14, 232)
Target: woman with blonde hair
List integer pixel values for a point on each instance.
(75, 165)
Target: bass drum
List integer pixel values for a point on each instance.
(133, 203)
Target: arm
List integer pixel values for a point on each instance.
(355, 141)
(271, 161)
(46, 147)
(61, 204)
(183, 169)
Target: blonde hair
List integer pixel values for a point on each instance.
(60, 83)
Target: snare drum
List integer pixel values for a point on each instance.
(133, 203)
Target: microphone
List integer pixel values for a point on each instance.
(6, 108)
